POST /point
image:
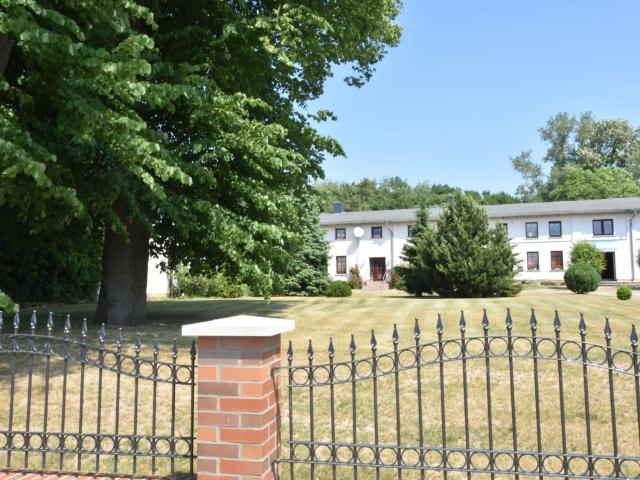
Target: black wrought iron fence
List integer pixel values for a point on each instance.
(486, 406)
(106, 407)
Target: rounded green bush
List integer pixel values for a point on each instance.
(582, 277)
(624, 293)
(338, 288)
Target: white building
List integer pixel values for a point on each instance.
(542, 235)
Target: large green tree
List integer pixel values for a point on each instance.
(177, 128)
(587, 158)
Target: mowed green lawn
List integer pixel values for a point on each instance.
(318, 319)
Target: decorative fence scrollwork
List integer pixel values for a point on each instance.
(74, 406)
(498, 405)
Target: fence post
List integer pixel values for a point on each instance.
(238, 396)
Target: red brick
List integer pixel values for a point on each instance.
(256, 389)
(220, 450)
(244, 404)
(226, 389)
(207, 374)
(206, 433)
(248, 343)
(240, 374)
(233, 435)
(256, 420)
(211, 419)
(207, 465)
(243, 467)
(248, 452)
(217, 477)
(207, 404)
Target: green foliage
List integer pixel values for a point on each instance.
(338, 288)
(624, 293)
(185, 117)
(395, 192)
(589, 159)
(216, 285)
(305, 269)
(355, 280)
(575, 183)
(581, 278)
(586, 252)
(461, 257)
(58, 267)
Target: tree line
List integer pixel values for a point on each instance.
(395, 192)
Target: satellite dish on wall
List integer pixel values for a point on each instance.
(358, 232)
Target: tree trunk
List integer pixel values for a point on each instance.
(123, 290)
(6, 44)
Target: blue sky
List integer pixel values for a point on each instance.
(472, 81)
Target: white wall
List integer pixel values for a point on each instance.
(389, 247)
(574, 228)
(157, 281)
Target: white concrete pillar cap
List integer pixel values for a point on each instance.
(239, 326)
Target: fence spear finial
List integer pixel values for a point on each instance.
(290, 352)
(50, 323)
(439, 327)
(137, 343)
(102, 333)
(174, 349)
(509, 320)
(373, 341)
(119, 339)
(485, 320)
(67, 326)
(582, 326)
(33, 322)
(634, 336)
(155, 347)
(416, 330)
(1, 321)
(84, 331)
(395, 336)
(352, 345)
(607, 328)
(533, 321)
(331, 349)
(194, 350)
(462, 323)
(310, 351)
(556, 322)
(16, 322)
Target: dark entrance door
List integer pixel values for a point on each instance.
(609, 272)
(378, 268)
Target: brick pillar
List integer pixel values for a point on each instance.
(238, 394)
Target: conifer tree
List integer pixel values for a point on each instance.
(462, 256)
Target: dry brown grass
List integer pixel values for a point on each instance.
(319, 318)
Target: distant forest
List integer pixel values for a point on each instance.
(395, 192)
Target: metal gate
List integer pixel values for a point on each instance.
(73, 406)
(486, 406)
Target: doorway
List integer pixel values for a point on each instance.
(377, 267)
(609, 272)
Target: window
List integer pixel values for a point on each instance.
(603, 227)
(376, 232)
(557, 262)
(506, 227)
(533, 261)
(341, 233)
(555, 229)
(341, 265)
(409, 229)
(531, 229)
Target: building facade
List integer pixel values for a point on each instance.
(542, 235)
